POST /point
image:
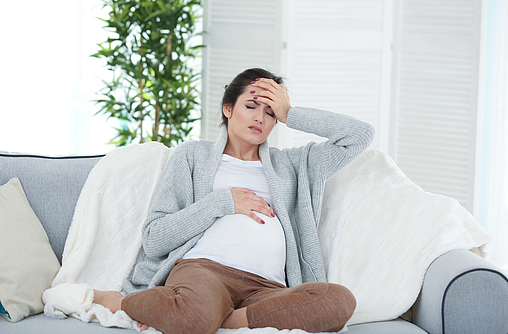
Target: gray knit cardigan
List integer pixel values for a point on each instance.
(183, 205)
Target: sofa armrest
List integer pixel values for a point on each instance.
(462, 293)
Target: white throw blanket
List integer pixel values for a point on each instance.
(104, 239)
(380, 232)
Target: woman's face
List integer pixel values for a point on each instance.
(249, 121)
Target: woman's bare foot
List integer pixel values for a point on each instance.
(237, 319)
(108, 299)
(142, 327)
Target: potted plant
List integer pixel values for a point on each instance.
(153, 91)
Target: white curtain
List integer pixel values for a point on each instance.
(492, 204)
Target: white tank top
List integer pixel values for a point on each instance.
(237, 240)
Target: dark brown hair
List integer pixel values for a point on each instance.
(238, 85)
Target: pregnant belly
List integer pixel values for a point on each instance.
(240, 242)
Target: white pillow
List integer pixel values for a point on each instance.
(379, 233)
(28, 263)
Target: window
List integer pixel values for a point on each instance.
(49, 78)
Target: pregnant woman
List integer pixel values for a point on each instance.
(231, 236)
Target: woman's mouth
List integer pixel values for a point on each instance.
(255, 129)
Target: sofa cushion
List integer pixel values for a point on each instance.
(42, 324)
(52, 186)
(28, 261)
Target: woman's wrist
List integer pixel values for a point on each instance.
(284, 117)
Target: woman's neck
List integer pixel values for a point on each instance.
(242, 153)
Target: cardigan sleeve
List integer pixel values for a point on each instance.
(347, 138)
(173, 217)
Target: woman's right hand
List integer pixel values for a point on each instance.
(246, 202)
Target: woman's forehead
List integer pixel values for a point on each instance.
(247, 97)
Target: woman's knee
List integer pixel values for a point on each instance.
(343, 298)
(336, 305)
(335, 294)
(342, 304)
(314, 307)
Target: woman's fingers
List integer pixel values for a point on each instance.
(255, 217)
(246, 202)
(273, 94)
(267, 95)
(263, 208)
(251, 202)
(265, 82)
(267, 87)
(270, 85)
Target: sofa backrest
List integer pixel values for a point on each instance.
(52, 186)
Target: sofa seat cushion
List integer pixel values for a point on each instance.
(42, 324)
(45, 325)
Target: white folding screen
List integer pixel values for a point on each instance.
(335, 56)
(238, 35)
(409, 67)
(437, 47)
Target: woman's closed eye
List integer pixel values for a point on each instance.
(268, 112)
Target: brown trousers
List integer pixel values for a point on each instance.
(200, 294)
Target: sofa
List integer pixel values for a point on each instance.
(461, 292)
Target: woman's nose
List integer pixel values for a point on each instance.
(258, 115)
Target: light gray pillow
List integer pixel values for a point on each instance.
(28, 263)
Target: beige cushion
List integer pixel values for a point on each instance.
(28, 263)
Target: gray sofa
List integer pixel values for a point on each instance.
(462, 293)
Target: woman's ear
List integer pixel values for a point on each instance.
(226, 110)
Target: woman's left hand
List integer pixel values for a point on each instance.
(273, 94)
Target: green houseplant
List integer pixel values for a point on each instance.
(153, 91)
